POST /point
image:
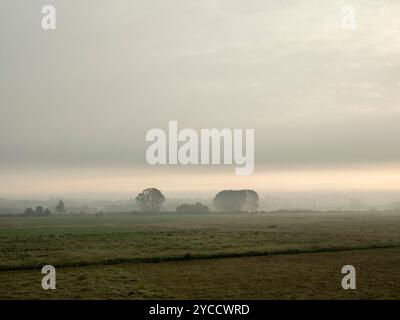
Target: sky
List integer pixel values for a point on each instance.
(76, 102)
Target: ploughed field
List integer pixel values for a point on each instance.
(235, 256)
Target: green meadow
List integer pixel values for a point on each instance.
(141, 256)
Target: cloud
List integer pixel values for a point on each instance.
(87, 94)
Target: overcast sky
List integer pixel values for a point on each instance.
(76, 103)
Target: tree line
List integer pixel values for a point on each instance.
(40, 211)
(151, 200)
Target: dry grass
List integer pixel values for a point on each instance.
(300, 276)
(82, 240)
(88, 243)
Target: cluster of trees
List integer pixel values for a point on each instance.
(192, 208)
(60, 207)
(236, 201)
(151, 200)
(39, 211)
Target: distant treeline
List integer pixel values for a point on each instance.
(192, 208)
(39, 211)
(151, 200)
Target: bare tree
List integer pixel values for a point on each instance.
(150, 200)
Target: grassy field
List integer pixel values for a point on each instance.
(259, 256)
